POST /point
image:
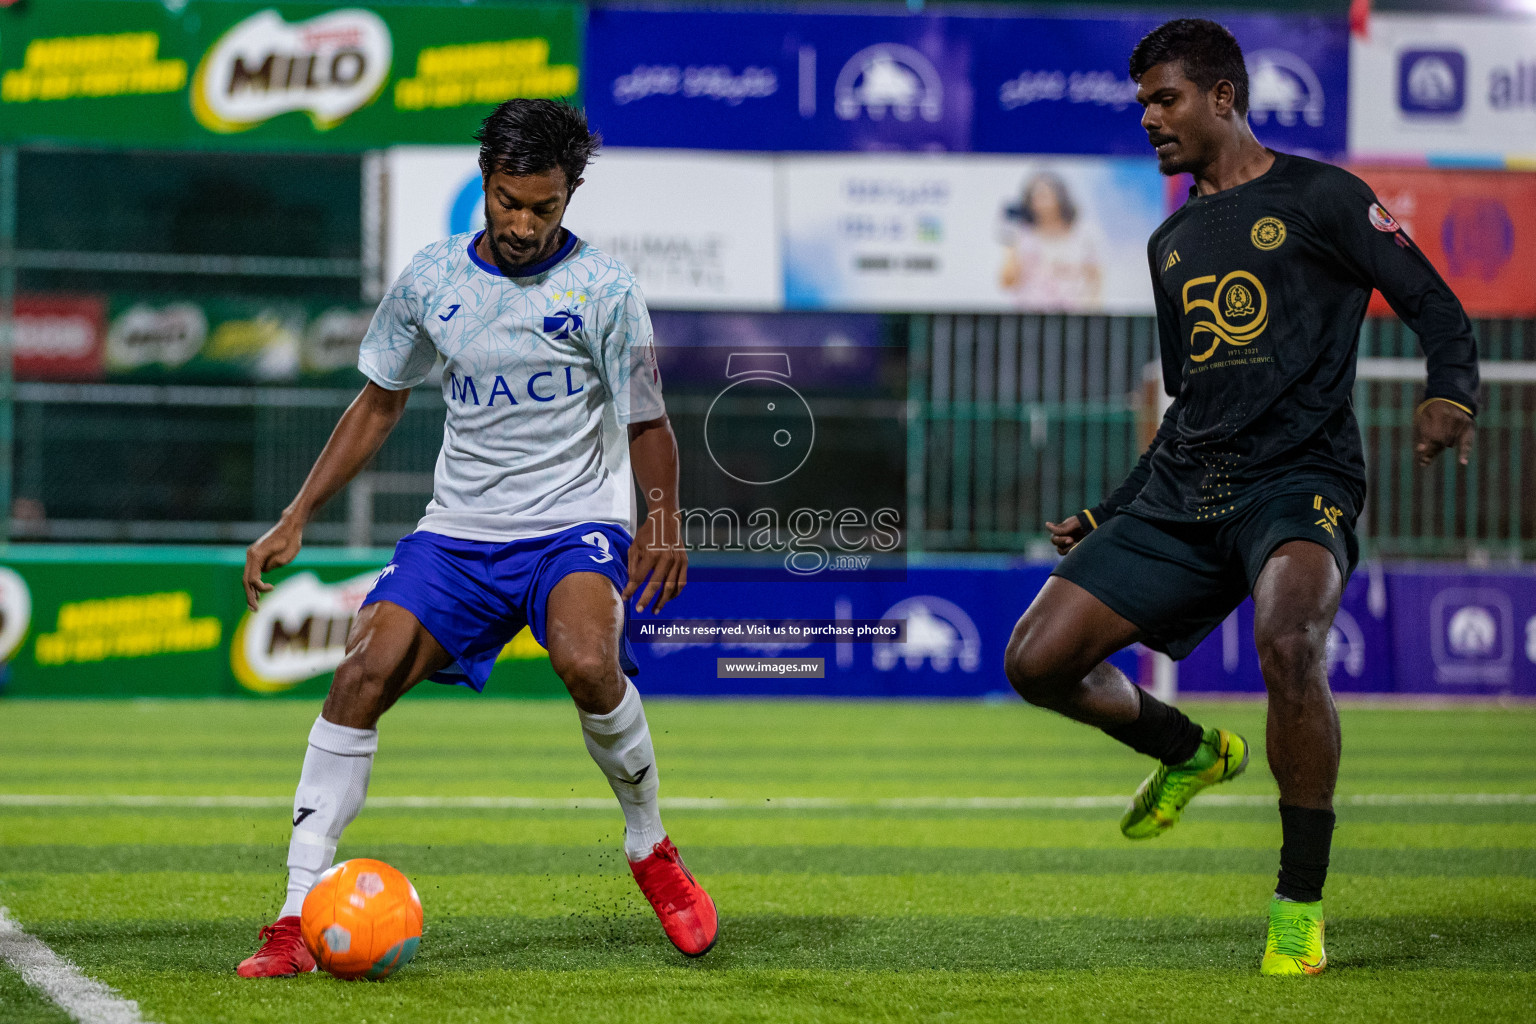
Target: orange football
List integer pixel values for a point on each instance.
(362, 920)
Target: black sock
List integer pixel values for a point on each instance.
(1161, 731)
(1307, 836)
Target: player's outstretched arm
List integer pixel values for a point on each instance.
(359, 434)
(657, 559)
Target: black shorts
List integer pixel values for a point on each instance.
(1178, 581)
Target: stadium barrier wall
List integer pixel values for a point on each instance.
(172, 622)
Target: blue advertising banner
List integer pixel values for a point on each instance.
(1061, 85)
(779, 81)
(958, 624)
(1403, 629)
(839, 82)
(1361, 656)
(1464, 632)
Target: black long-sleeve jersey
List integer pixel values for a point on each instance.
(1261, 290)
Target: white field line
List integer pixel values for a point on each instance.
(793, 803)
(85, 999)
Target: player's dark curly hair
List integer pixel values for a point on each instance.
(533, 136)
(1207, 52)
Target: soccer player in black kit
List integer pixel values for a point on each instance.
(1256, 475)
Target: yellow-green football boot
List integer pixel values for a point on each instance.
(1162, 797)
(1294, 945)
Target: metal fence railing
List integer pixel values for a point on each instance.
(1009, 421)
(1020, 419)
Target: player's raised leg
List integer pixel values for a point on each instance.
(388, 652)
(1295, 600)
(584, 631)
(1055, 659)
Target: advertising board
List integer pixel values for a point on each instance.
(782, 81)
(1444, 87)
(1478, 227)
(1062, 85)
(698, 230)
(59, 337)
(762, 80)
(172, 622)
(995, 234)
(297, 75)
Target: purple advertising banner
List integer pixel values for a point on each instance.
(793, 81)
(1463, 632)
(1400, 630)
(1062, 85)
(779, 81)
(958, 623)
(1360, 651)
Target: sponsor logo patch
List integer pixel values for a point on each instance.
(1381, 220)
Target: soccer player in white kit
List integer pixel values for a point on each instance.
(554, 411)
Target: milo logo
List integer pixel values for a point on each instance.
(299, 632)
(328, 66)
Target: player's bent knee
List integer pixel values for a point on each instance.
(1292, 660)
(587, 673)
(1030, 671)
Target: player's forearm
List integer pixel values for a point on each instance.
(653, 454)
(358, 436)
(1450, 351)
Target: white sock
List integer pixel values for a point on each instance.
(620, 743)
(331, 791)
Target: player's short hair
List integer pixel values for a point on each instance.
(533, 136)
(1206, 51)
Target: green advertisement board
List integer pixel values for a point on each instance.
(172, 622)
(276, 76)
(161, 339)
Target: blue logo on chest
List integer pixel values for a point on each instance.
(541, 387)
(560, 326)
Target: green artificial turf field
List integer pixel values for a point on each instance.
(872, 862)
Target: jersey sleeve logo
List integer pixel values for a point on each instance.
(1381, 220)
(560, 326)
(1268, 233)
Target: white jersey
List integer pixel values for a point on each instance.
(543, 375)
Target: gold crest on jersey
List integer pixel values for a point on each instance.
(1237, 311)
(1268, 233)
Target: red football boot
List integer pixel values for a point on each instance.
(282, 955)
(687, 913)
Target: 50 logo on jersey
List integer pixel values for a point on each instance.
(1238, 309)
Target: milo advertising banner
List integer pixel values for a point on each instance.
(172, 622)
(232, 340)
(276, 76)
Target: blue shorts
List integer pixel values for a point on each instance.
(474, 596)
